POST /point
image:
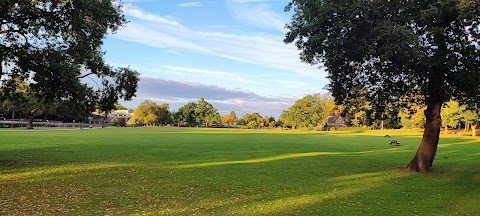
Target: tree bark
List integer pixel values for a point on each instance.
(423, 160)
(474, 133)
(30, 122)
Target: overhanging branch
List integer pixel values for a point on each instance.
(85, 75)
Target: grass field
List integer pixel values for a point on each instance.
(181, 171)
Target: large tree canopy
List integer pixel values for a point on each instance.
(52, 44)
(394, 52)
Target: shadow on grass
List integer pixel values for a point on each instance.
(308, 203)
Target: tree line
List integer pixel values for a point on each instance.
(308, 113)
(194, 114)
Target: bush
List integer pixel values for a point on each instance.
(114, 122)
(122, 122)
(118, 122)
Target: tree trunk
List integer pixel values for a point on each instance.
(382, 125)
(423, 159)
(446, 129)
(30, 122)
(13, 114)
(474, 133)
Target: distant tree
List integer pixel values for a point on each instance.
(385, 50)
(285, 119)
(133, 121)
(306, 112)
(230, 119)
(24, 100)
(185, 116)
(266, 120)
(241, 121)
(252, 120)
(452, 114)
(413, 117)
(7, 106)
(150, 113)
(164, 114)
(332, 109)
(247, 117)
(470, 118)
(225, 119)
(258, 119)
(272, 124)
(271, 119)
(252, 124)
(205, 111)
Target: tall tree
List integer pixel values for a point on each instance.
(452, 114)
(185, 116)
(413, 117)
(52, 44)
(306, 112)
(151, 113)
(24, 100)
(205, 113)
(77, 103)
(385, 50)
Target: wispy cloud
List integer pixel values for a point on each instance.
(190, 4)
(130, 10)
(174, 52)
(228, 26)
(260, 49)
(259, 15)
(210, 73)
(137, 1)
(250, 1)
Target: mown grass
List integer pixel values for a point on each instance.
(183, 171)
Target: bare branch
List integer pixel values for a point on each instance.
(85, 75)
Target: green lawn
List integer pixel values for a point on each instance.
(179, 171)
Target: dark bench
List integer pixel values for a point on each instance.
(394, 142)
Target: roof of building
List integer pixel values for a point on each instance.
(333, 118)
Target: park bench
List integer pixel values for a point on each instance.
(394, 142)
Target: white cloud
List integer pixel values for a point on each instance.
(251, 1)
(260, 49)
(228, 26)
(130, 10)
(259, 15)
(136, 1)
(211, 73)
(190, 4)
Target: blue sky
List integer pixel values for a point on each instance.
(229, 52)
